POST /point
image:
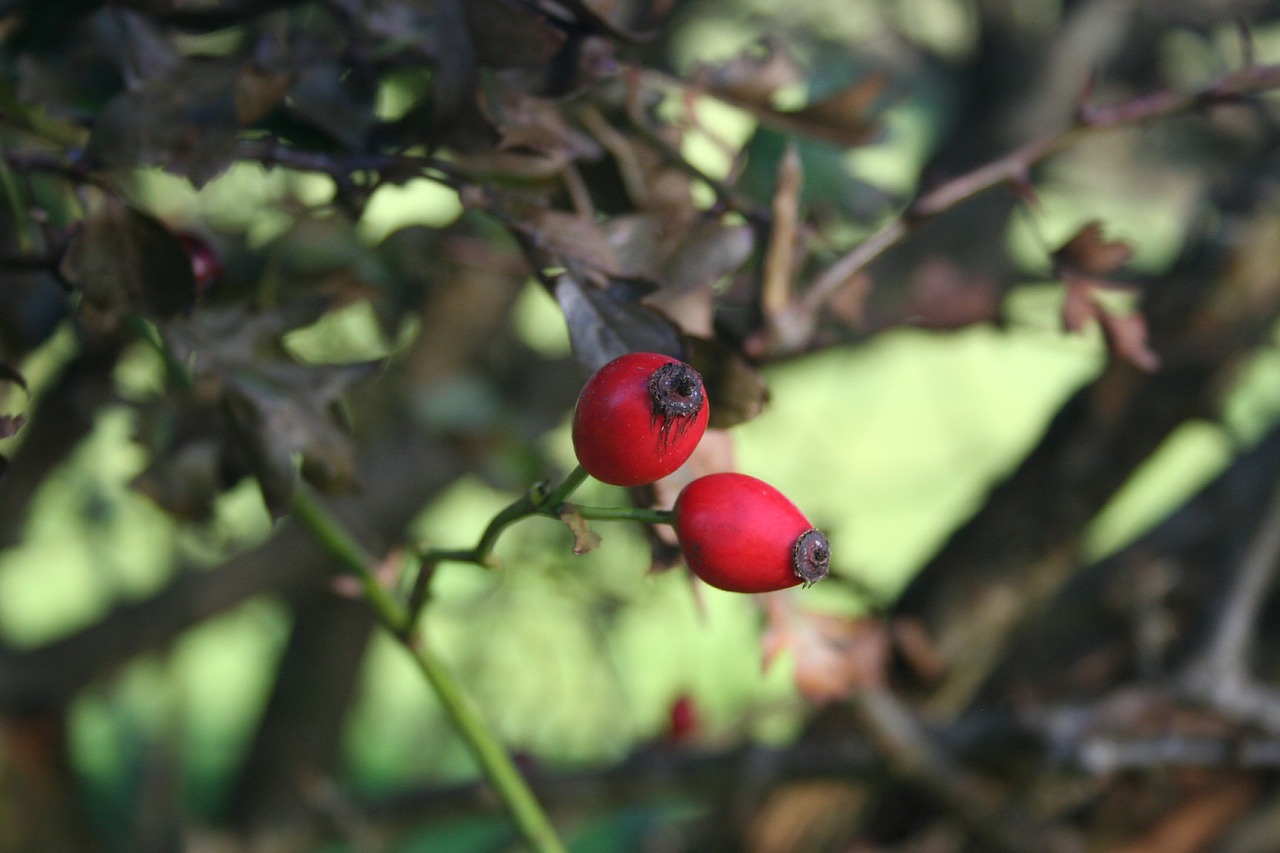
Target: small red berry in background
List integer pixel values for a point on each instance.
(639, 418)
(206, 266)
(682, 719)
(740, 534)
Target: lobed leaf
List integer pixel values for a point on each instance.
(123, 261)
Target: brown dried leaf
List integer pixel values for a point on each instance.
(943, 296)
(1126, 337)
(533, 125)
(585, 539)
(569, 238)
(510, 35)
(679, 255)
(1087, 253)
(477, 150)
(1078, 305)
(841, 118)
(750, 82)
(752, 78)
(258, 92)
(1201, 817)
(736, 389)
(834, 656)
(816, 814)
(625, 20)
(10, 424)
(780, 254)
(849, 302)
(686, 257)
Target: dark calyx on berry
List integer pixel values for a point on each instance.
(676, 391)
(811, 556)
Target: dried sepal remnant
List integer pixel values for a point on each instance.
(675, 390)
(811, 556)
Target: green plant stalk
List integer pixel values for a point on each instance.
(536, 501)
(560, 493)
(13, 196)
(625, 513)
(178, 373)
(525, 810)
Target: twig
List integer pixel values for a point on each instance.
(912, 754)
(497, 765)
(271, 152)
(533, 502)
(795, 328)
(1222, 673)
(725, 193)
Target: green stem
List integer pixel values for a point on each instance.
(626, 513)
(178, 372)
(12, 195)
(497, 765)
(561, 493)
(536, 501)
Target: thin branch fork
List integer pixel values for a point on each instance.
(1221, 675)
(795, 327)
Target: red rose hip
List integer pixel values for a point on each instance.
(741, 534)
(639, 418)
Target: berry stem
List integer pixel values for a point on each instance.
(561, 493)
(536, 501)
(501, 771)
(626, 513)
(539, 500)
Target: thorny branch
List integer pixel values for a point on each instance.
(793, 329)
(913, 755)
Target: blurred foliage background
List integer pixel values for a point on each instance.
(987, 288)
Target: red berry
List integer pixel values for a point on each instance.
(639, 418)
(206, 267)
(741, 534)
(682, 721)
